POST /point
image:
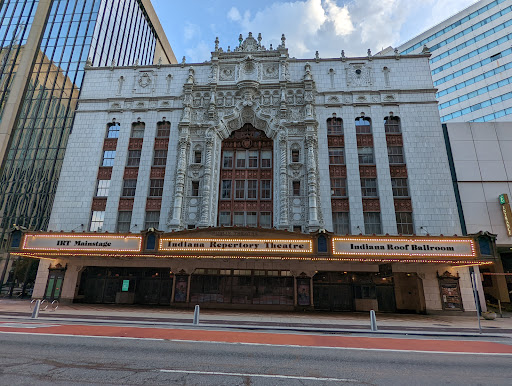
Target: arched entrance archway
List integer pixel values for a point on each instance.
(246, 181)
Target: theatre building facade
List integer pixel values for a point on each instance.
(261, 268)
(259, 180)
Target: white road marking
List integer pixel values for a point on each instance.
(260, 375)
(27, 325)
(259, 344)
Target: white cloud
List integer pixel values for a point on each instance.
(199, 53)
(191, 31)
(329, 26)
(234, 14)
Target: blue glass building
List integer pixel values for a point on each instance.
(44, 48)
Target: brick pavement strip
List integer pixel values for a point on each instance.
(430, 345)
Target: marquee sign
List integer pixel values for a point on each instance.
(406, 247)
(81, 243)
(236, 245)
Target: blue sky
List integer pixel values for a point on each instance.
(309, 25)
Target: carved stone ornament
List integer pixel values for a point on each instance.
(145, 80)
(270, 71)
(358, 75)
(227, 72)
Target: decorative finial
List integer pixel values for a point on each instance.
(283, 40)
(343, 55)
(183, 61)
(317, 55)
(425, 49)
(369, 52)
(160, 61)
(250, 34)
(229, 48)
(259, 39)
(88, 62)
(240, 39)
(216, 44)
(271, 48)
(136, 62)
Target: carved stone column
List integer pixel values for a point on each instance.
(312, 177)
(206, 201)
(179, 189)
(283, 182)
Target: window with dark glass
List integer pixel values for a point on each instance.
(369, 187)
(108, 158)
(404, 223)
(296, 188)
(252, 189)
(295, 155)
(239, 189)
(152, 219)
(124, 219)
(240, 159)
(226, 190)
(198, 156)
(138, 130)
(195, 188)
(266, 189)
(396, 155)
(160, 158)
(156, 187)
(338, 187)
(227, 159)
(341, 223)
(266, 158)
(129, 187)
(365, 155)
(363, 125)
(399, 186)
(113, 130)
(392, 125)
(372, 224)
(253, 159)
(334, 126)
(163, 129)
(336, 156)
(133, 157)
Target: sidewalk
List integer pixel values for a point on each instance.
(309, 321)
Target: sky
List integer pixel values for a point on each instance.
(326, 26)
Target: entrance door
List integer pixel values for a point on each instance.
(54, 284)
(332, 291)
(153, 291)
(386, 298)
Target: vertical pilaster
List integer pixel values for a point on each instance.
(206, 201)
(283, 182)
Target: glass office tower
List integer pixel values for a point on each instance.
(471, 62)
(122, 32)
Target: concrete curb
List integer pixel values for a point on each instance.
(190, 326)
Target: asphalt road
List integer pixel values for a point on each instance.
(62, 360)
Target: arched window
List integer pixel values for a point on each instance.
(363, 125)
(163, 129)
(392, 124)
(138, 129)
(113, 129)
(334, 126)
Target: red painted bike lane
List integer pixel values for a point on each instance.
(428, 345)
